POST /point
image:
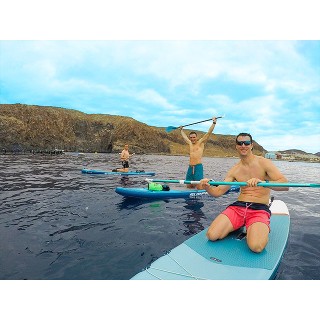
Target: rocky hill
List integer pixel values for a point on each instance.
(298, 155)
(28, 127)
(293, 151)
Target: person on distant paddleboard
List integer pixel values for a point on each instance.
(252, 208)
(195, 170)
(124, 157)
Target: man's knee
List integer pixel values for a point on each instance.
(257, 237)
(219, 228)
(257, 246)
(212, 235)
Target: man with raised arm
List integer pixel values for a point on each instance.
(195, 170)
(252, 208)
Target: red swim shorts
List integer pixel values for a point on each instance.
(242, 216)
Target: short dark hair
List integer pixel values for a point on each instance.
(244, 134)
(192, 132)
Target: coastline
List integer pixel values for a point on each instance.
(309, 158)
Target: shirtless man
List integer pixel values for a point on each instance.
(124, 157)
(251, 209)
(195, 170)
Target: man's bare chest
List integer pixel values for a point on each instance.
(245, 173)
(195, 148)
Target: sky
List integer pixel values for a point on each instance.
(270, 89)
(171, 63)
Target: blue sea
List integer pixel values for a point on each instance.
(57, 223)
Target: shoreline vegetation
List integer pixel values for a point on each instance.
(46, 130)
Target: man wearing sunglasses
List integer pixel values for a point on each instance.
(251, 209)
(195, 169)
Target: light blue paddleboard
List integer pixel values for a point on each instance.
(230, 258)
(171, 194)
(129, 173)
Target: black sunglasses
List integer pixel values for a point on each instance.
(246, 143)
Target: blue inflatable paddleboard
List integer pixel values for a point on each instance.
(228, 259)
(171, 194)
(129, 173)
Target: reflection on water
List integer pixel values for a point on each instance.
(193, 217)
(56, 223)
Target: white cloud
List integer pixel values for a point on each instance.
(152, 97)
(309, 142)
(269, 88)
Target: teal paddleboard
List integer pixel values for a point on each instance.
(171, 194)
(129, 173)
(228, 259)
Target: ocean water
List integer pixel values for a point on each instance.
(57, 223)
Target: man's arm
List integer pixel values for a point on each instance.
(273, 173)
(184, 136)
(205, 138)
(217, 191)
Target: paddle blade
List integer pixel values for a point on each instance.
(171, 128)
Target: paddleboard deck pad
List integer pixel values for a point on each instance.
(228, 259)
(129, 173)
(171, 194)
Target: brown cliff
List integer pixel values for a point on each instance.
(25, 128)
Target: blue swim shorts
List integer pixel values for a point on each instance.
(195, 173)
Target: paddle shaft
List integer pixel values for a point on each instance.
(190, 124)
(241, 184)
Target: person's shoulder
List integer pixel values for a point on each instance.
(264, 161)
(236, 166)
(260, 158)
(232, 172)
